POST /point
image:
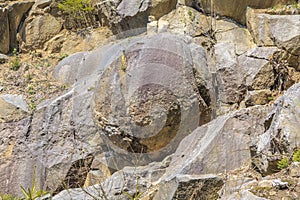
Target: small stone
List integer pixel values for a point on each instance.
(295, 169)
(162, 26)
(3, 58)
(152, 27)
(277, 183)
(266, 183)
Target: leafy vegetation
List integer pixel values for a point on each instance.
(283, 163)
(15, 64)
(296, 156)
(77, 10)
(8, 197)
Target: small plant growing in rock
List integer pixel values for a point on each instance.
(296, 156)
(124, 62)
(8, 197)
(283, 163)
(137, 195)
(32, 193)
(15, 64)
(191, 15)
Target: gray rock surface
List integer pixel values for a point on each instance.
(4, 31)
(258, 70)
(148, 98)
(3, 58)
(280, 30)
(39, 29)
(190, 187)
(230, 76)
(132, 16)
(16, 16)
(283, 126)
(125, 180)
(234, 9)
(184, 20)
(12, 108)
(206, 150)
(157, 70)
(41, 4)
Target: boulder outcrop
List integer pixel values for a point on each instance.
(4, 31)
(234, 9)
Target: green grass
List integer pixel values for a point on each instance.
(296, 156)
(283, 163)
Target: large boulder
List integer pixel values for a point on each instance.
(235, 9)
(221, 145)
(39, 29)
(282, 31)
(17, 13)
(148, 100)
(282, 128)
(4, 31)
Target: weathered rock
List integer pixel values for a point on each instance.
(184, 20)
(259, 72)
(12, 108)
(258, 97)
(282, 128)
(223, 144)
(83, 64)
(228, 32)
(4, 31)
(66, 71)
(295, 169)
(12, 140)
(41, 4)
(230, 76)
(130, 180)
(152, 27)
(85, 40)
(132, 15)
(58, 134)
(39, 29)
(16, 15)
(280, 30)
(234, 9)
(190, 187)
(3, 58)
(157, 70)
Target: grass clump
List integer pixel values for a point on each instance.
(8, 197)
(283, 163)
(15, 64)
(32, 193)
(296, 156)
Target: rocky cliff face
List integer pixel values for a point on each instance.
(190, 106)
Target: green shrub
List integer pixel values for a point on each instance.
(283, 163)
(15, 64)
(77, 9)
(296, 156)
